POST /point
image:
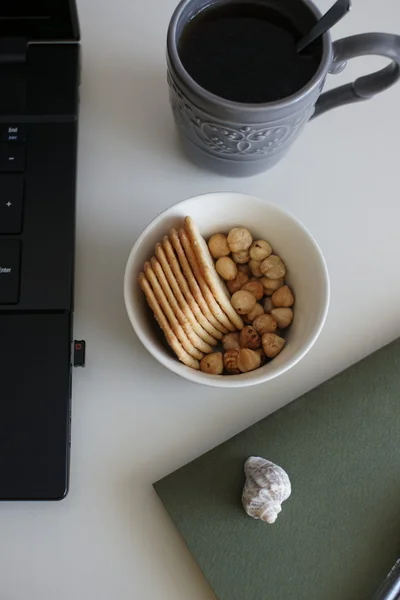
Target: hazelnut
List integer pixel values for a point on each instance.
(271, 285)
(243, 302)
(244, 269)
(260, 250)
(268, 305)
(231, 341)
(265, 324)
(213, 364)
(231, 362)
(272, 344)
(273, 267)
(283, 316)
(254, 313)
(226, 268)
(283, 297)
(255, 288)
(239, 238)
(218, 245)
(248, 360)
(242, 257)
(262, 356)
(235, 284)
(249, 338)
(255, 268)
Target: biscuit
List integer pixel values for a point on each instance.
(207, 293)
(174, 294)
(170, 298)
(183, 294)
(211, 276)
(161, 319)
(191, 283)
(178, 330)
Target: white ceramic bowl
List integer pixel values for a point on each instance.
(307, 275)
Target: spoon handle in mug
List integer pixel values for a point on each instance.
(333, 16)
(363, 88)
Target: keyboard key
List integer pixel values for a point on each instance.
(10, 259)
(13, 133)
(12, 157)
(11, 203)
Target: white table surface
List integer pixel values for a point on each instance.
(133, 421)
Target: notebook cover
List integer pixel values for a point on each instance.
(339, 532)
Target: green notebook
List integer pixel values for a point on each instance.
(339, 532)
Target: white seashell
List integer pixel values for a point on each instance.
(267, 486)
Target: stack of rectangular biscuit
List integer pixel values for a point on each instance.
(189, 300)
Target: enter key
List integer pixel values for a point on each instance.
(10, 261)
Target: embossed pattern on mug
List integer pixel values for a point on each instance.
(236, 139)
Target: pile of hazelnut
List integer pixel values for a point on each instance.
(256, 279)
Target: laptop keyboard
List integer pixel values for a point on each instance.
(12, 133)
(12, 149)
(12, 165)
(11, 204)
(10, 256)
(12, 157)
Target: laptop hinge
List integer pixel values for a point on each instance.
(13, 50)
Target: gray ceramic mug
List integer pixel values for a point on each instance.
(238, 139)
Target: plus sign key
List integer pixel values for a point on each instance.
(11, 204)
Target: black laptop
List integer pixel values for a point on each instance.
(39, 79)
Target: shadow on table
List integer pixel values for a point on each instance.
(131, 101)
(100, 313)
(99, 300)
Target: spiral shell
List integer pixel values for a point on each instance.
(267, 486)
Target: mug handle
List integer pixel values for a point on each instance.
(381, 44)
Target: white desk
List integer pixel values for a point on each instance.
(134, 422)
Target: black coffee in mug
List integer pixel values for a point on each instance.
(246, 52)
